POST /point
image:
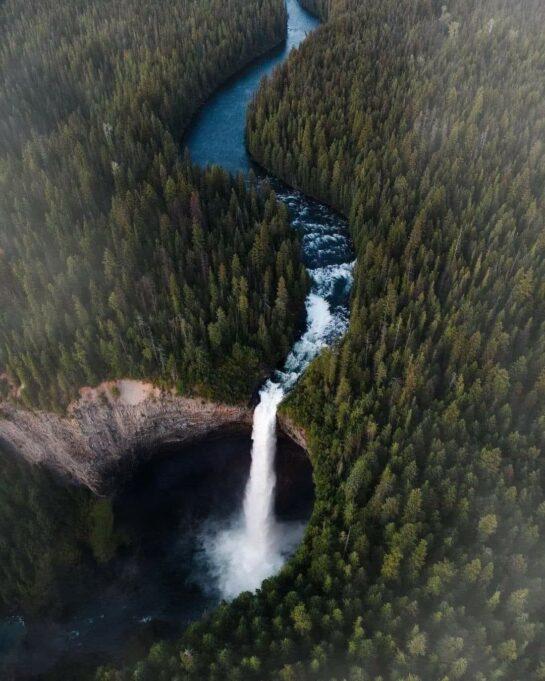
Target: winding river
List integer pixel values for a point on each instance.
(254, 546)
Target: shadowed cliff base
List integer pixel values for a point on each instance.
(105, 433)
(147, 576)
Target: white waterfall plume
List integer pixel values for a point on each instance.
(259, 519)
(256, 545)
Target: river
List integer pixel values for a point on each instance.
(217, 135)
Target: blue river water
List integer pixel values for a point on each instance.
(254, 546)
(217, 137)
(218, 132)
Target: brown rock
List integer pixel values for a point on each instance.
(107, 426)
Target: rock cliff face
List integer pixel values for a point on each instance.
(104, 430)
(294, 432)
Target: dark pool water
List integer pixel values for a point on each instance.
(155, 586)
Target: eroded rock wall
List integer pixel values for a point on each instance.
(107, 426)
(294, 432)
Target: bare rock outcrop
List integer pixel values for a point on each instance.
(107, 426)
(293, 431)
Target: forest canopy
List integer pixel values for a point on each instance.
(117, 257)
(423, 122)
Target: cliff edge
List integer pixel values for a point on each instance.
(108, 425)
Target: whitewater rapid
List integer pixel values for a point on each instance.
(255, 545)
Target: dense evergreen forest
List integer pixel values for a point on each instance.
(51, 537)
(424, 123)
(117, 257)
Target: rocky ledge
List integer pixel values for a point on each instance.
(293, 431)
(108, 426)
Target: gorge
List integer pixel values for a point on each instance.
(111, 429)
(254, 549)
(240, 440)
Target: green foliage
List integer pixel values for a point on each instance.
(320, 8)
(102, 538)
(301, 620)
(117, 257)
(423, 123)
(43, 528)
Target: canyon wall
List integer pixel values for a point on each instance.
(294, 432)
(105, 431)
(108, 426)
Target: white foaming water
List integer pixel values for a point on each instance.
(255, 545)
(321, 327)
(254, 548)
(259, 498)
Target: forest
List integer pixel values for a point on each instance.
(423, 122)
(50, 535)
(117, 257)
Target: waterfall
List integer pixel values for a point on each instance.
(256, 545)
(259, 522)
(242, 551)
